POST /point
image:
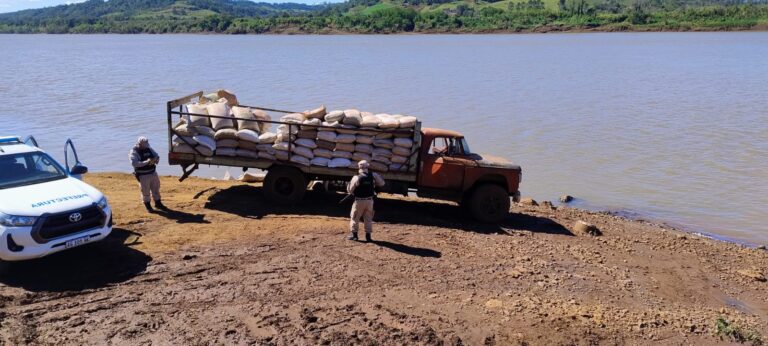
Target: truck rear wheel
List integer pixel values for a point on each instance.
(285, 185)
(489, 203)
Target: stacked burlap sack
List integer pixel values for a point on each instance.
(339, 139)
(231, 135)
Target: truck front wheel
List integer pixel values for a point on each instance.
(489, 203)
(285, 185)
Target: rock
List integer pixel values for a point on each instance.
(528, 201)
(548, 205)
(761, 247)
(493, 304)
(586, 228)
(188, 257)
(752, 273)
(566, 198)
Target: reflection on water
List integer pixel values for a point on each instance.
(669, 125)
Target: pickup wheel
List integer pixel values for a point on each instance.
(489, 203)
(285, 185)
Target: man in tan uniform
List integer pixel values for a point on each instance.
(144, 160)
(362, 186)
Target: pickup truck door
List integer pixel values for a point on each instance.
(442, 166)
(72, 162)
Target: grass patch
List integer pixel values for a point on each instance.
(729, 332)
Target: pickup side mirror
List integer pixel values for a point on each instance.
(78, 170)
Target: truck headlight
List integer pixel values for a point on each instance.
(102, 203)
(17, 221)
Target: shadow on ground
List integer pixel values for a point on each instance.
(248, 201)
(180, 216)
(87, 267)
(408, 250)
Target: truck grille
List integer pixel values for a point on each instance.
(58, 225)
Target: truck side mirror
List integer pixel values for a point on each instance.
(78, 170)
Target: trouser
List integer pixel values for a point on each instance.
(149, 183)
(361, 209)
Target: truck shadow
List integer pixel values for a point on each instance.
(87, 267)
(248, 201)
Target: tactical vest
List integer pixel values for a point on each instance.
(365, 188)
(145, 154)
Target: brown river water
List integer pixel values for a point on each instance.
(666, 126)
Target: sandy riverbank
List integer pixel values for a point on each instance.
(227, 267)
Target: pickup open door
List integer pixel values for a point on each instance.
(72, 162)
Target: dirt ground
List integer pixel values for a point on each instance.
(226, 267)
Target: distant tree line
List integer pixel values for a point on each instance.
(96, 16)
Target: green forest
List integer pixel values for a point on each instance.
(388, 16)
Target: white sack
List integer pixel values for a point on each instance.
(225, 134)
(300, 160)
(334, 116)
(339, 162)
(320, 161)
(341, 154)
(303, 151)
(220, 109)
(196, 120)
(345, 138)
(306, 142)
(248, 135)
(329, 136)
(206, 141)
(404, 142)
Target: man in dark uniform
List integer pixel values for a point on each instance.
(144, 160)
(363, 186)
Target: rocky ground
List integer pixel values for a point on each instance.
(226, 267)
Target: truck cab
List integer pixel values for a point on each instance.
(44, 206)
(451, 171)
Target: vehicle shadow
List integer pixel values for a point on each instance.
(87, 267)
(248, 201)
(408, 250)
(181, 217)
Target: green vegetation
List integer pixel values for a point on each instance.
(727, 331)
(388, 16)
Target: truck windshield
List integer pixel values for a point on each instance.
(464, 145)
(28, 169)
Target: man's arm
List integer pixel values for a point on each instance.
(155, 155)
(136, 159)
(378, 180)
(352, 185)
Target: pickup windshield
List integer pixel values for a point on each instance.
(28, 169)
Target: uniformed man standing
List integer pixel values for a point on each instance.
(362, 186)
(144, 160)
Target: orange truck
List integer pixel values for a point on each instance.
(441, 166)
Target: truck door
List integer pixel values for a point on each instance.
(72, 162)
(441, 169)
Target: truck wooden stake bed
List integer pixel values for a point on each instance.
(440, 166)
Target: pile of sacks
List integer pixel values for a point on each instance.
(347, 137)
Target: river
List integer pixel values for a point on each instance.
(665, 126)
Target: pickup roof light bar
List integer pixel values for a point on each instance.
(10, 140)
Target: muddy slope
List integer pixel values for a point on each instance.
(226, 267)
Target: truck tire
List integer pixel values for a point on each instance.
(285, 185)
(489, 203)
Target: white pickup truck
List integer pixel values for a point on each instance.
(44, 207)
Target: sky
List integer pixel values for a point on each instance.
(18, 5)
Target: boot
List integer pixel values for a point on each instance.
(149, 207)
(159, 205)
(368, 237)
(352, 236)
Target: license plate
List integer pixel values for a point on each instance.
(77, 242)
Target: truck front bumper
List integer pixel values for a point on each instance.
(17, 243)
